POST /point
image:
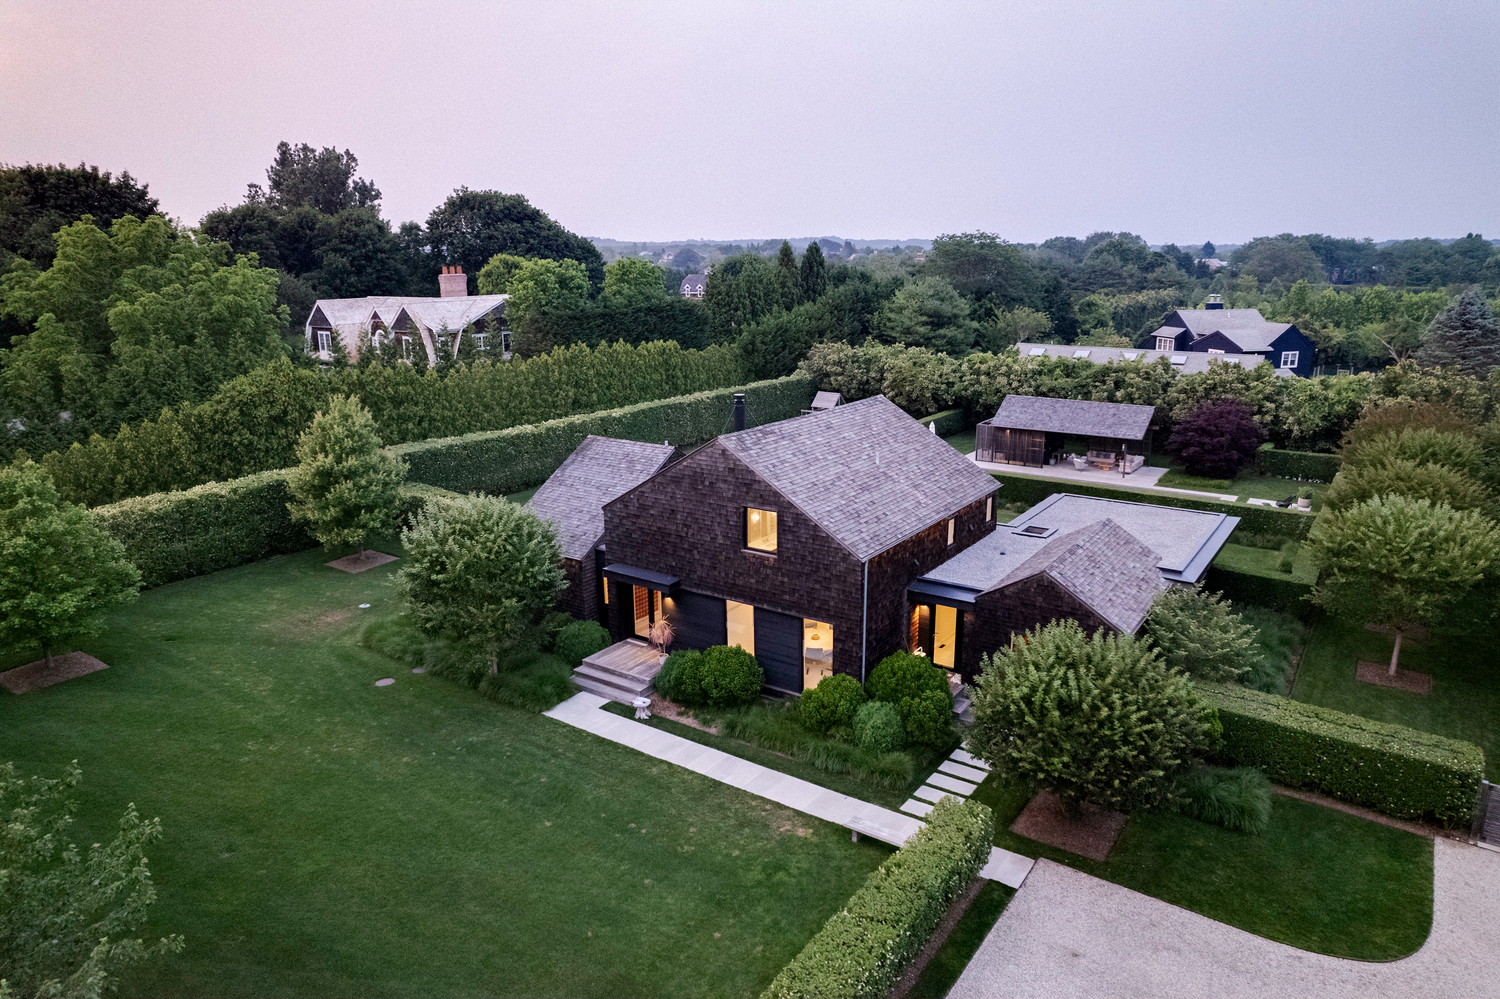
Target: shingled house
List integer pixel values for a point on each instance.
(796, 540)
(573, 499)
(417, 323)
(1217, 330)
(1031, 430)
(1182, 361)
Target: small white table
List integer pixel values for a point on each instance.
(642, 707)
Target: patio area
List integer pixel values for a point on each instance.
(1144, 477)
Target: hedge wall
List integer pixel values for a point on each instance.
(949, 421)
(862, 950)
(1392, 768)
(1031, 489)
(1280, 592)
(1308, 466)
(505, 461)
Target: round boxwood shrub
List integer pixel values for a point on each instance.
(832, 703)
(877, 727)
(928, 718)
(579, 640)
(729, 676)
(919, 691)
(680, 678)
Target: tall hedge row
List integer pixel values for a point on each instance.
(678, 319)
(252, 423)
(1307, 466)
(1394, 769)
(1279, 592)
(861, 951)
(505, 461)
(1029, 489)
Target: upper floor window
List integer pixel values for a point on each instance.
(760, 529)
(325, 340)
(1289, 358)
(952, 522)
(1165, 343)
(479, 339)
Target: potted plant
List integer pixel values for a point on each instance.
(661, 636)
(1304, 498)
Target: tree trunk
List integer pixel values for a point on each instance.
(47, 653)
(1395, 652)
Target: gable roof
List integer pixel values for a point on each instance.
(694, 283)
(864, 472)
(598, 470)
(1192, 360)
(1247, 328)
(1075, 416)
(454, 312)
(1104, 566)
(826, 400)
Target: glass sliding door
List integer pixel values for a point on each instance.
(944, 636)
(739, 624)
(817, 652)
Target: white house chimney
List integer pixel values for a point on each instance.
(453, 283)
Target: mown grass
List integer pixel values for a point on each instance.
(327, 837)
(954, 955)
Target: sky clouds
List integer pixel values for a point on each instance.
(1181, 122)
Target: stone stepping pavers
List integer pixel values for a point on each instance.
(582, 711)
(959, 756)
(931, 794)
(956, 769)
(962, 788)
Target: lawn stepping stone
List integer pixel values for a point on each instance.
(419, 669)
(364, 606)
(959, 770)
(968, 760)
(1260, 502)
(385, 681)
(917, 808)
(931, 794)
(960, 787)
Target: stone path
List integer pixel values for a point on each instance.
(583, 710)
(1066, 933)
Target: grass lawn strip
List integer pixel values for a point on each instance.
(327, 837)
(962, 942)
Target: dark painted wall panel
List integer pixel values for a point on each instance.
(778, 649)
(697, 620)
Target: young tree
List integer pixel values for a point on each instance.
(1463, 335)
(1198, 634)
(632, 281)
(814, 273)
(59, 572)
(1092, 719)
(65, 908)
(1217, 439)
(345, 485)
(1399, 561)
(479, 568)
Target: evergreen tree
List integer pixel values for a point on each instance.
(389, 347)
(443, 343)
(338, 354)
(788, 281)
(365, 348)
(1208, 251)
(814, 273)
(1463, 335)
(345, 485)
(418, 355)
(468, 350)
(60, 572)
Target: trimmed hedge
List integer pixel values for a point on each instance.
(1279, 592)
(506, 461)
(1307, 466)
(863, 949)
(1032, 489)
(949, 422)
(1394, 769)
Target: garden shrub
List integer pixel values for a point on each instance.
(396, 638)
(1404, 477)
(1216, 439)
(1238, 798)
(1198, 634)
(680, 678)
(579, 640)
(919, 691)
(832, 703)
(535, 682)
(778, 726)
(928, 717)
(1305, 466)
(550, 626)
(729, 676)
(1391, 768)
(1279, 592)
(862, 950)
(877, 727)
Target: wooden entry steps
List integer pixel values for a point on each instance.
(622, 672)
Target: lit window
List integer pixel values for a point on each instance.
(1289, 358)
(642, 608)
(944, 635)
(739, 623)
(817, 652)
(951, 522)
(989, 508)
(760, 529)
(1165, 342)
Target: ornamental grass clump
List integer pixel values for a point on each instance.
(878, 728)
(1098, 719)
(1238, 798)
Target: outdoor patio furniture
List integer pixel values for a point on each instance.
(1102, 459)
(1132, 462)
(1079, 463)
(642, 707)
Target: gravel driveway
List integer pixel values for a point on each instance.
(1070, 934)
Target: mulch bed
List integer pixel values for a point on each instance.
(1380, 675)
(360, 561)
(1090, 835)
(35, 676)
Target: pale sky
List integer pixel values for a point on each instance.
(1177, 121)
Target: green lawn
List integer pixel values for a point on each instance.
(327, 837)
(1245, 487)
(523, 495)
(1465, 698)
(1319, 879)
(1266, 562)
(956, 952)
(964, 442)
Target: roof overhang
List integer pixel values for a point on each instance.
(947, 594)
(1197, 566)
(637, 576)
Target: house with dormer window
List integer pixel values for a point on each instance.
(1214, 329)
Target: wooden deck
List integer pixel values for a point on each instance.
(622, 672)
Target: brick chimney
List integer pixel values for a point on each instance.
(453, 283)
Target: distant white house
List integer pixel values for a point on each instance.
(693, 285)
(415, 322)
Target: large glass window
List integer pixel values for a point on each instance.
(760, 529)
(325, 341)
(944, 635)
(739, 622)
(1289, 358)
(1166, 343)
(817, 652)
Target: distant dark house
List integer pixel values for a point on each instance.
(1032, 430)
(795, 540)
(693, 285)
(573, 499)
(1214, 329)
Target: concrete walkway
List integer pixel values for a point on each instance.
(1143, 478)
(1066, 933)
(583, 711)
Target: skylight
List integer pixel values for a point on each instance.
(1179, 358)
(1038, 351)
(1131, 355)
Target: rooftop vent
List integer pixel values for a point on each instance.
(453, 283)
(1035, 531)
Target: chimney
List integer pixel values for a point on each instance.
(453, 283)
(1214, 302)
(739, 411)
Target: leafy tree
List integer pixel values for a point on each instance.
(59, 572)
(1285, 258)
(1217, 439)
(927, 312)
(1198, 634)
(470, 227)
(1096, 719)
(479, 568)
(1399, 561)
(1354, 484)
(631, 281)
(687, 260)
(983, 267)
(814, 276)
(543, 285)
(321, 178)
(1457, 450)
(345, 486)
(498, 272)
(37, 200)
(1013, 326)
(65, 909)
(1463, 335)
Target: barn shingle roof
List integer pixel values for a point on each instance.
(600, 469)
(1105, 567)
(1247, 328)
(1075, 416)
(865, 472)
